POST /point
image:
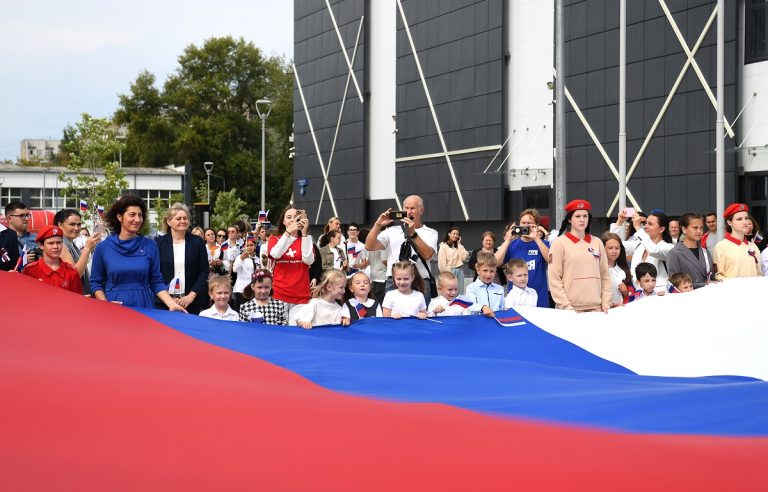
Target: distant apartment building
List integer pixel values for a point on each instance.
(38, 150)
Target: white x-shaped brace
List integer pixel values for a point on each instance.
(327, 170)
(691, 61)
(350, 63)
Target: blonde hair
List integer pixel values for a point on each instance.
(485, 258)
(329, 277)
(171, 213)
(219, 281)
(515, 263)
(418, 282)
(678, 278)
(445, 276)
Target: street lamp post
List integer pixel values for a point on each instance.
(267, 106)
(120, 138)
(208, 165)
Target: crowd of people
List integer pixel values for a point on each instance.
(281, 276)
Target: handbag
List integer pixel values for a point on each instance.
(405, 255)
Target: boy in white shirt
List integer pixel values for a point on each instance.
(220, 290)
(519, 294)
(444, 305)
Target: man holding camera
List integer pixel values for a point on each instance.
(15, 240)
(524, 241)
(422, 238)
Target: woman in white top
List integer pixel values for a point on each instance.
(215, 264)
(452, 255)
(652, 245)
(244, 265)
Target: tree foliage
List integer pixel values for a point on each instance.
(206, 111)
(227, 210)
(93, 175)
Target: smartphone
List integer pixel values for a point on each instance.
(99, 228)
(629, 212)
(397, 214)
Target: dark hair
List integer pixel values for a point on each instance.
(447, 239)
(63, 215)
(14, 206)
(711, 213)
(621, 261)
(241, 226)
(280, 223)
(663, 222)
(354, 224)
(645, 268)
(363, 234)
(119, 208)
(631, 225)
(565, 226)
(326, 238)
(257, 277)
(686, 218)
(418, 282)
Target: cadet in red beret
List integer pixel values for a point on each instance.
(735, 255)
(578, 274)
(50, 269)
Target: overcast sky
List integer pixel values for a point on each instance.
(61, 59)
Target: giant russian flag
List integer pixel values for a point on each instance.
(101, 397)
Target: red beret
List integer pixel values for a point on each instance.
(734, 208)
(48, 232)
(574, 205)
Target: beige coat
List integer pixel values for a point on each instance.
(448, 257)
(578, 273)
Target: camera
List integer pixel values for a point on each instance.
(521, 230)
(397, 214)
(38, 253)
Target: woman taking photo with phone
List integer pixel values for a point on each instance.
(652, 244)
(70, 221)
(291, 250)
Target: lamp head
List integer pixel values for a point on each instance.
(208, 165)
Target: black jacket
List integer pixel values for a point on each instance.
(195, 267)
(9, 241)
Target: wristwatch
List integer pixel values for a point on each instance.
(413, 236)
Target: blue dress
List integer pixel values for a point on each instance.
(127, 271)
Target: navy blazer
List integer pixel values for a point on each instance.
(195, 267)
(9, 241)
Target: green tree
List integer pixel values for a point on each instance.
(92, 175)
(206, 111)
(227, 209)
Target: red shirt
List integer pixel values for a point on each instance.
(290, 276)
(66, 277)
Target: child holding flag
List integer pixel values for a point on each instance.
(357, 300)
(448, 303)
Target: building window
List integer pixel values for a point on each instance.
(8, 195)
(755, 16)
(150, 197)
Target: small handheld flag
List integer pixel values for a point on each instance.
(351, 250)
(362, 311)
(100, 210)
(510, 321)
(263, 216)
(672, 289)
(83, 206)
(461, 301)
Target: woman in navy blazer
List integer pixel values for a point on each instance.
(183, 261)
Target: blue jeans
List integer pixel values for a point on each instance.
(390, 285)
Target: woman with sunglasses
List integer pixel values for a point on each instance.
(70, 221)
(736, 256)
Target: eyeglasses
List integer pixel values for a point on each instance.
(221, 235)
(21, 216)
(351, 229)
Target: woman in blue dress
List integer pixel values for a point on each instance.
(126, 265)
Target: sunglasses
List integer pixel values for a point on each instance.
(221, 235)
